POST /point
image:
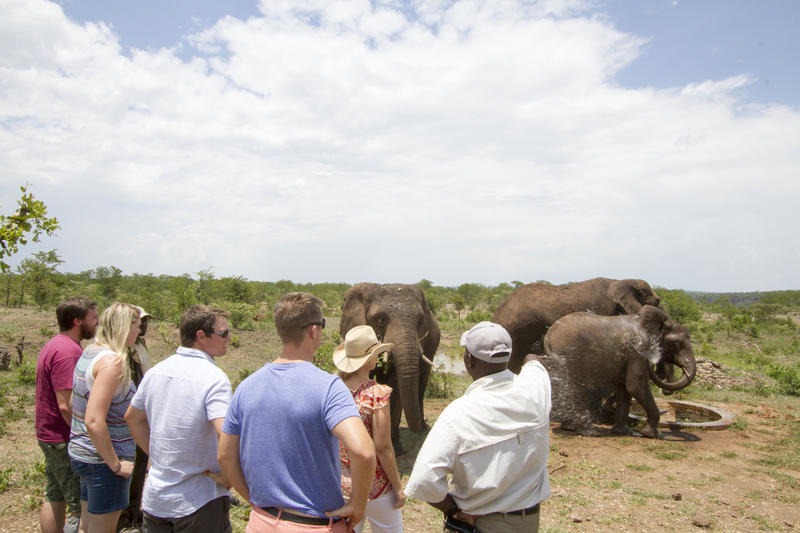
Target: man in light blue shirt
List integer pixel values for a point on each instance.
(280, 440)
(176, 417)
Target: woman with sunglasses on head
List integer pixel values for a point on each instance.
(101, 447)
(355, 359)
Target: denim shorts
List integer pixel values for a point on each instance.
(102, 489)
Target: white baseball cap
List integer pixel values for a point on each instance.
(485, 340)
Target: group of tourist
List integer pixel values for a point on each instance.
(310, 451)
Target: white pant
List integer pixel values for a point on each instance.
(383, 516)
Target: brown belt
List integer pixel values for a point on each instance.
(298, 518)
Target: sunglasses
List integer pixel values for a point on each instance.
(321, 324)
(224, 333)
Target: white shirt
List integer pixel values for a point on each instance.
(493, 442)
(181, 396)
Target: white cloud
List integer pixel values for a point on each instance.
(478, 141)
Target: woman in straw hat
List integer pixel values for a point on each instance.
(355, 359)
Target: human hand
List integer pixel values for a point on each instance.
(350, 513)
(218, 478)
(125, 469)
(399, 498)
(466, 517)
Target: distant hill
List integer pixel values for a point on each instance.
(744, 299)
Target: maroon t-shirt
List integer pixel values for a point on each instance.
(54, 371)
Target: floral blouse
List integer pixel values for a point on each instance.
(369, 397)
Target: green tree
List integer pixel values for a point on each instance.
(109, 279)
(29, 219)
(39, 272)
(205, 285)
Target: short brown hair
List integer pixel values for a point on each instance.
(198, 318)
(72, 308)
(293, 312)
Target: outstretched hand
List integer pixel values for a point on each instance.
(350, 513)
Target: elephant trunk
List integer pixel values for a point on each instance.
(406, 355)
(686, 361)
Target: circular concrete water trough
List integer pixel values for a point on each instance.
(681, 414)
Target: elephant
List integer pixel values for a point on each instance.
(591, 357)
(529, 311)
(400, 315)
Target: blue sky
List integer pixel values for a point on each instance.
(687, 41)
(458, 141)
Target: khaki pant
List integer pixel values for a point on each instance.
(508, 523)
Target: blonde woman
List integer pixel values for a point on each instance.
(355, 359)
(101, 447)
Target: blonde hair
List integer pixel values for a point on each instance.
(112, 332)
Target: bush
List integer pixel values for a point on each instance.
(788, 378)
(478, 315)
(27, 374)
(5, 479)
(241, 315)
(324, 357)
(243, 373)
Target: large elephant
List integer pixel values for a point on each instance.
(529, 311)
(399, 314)
(591, 358)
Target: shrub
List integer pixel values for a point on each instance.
(324, 357)
(5, 480)
(788, 378)
(27, 374)
(478, 315)
(243, 373)
(241, 315)
(235, 342)
(441, 386)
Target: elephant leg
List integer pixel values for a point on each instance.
(621, 412)
(395, 410)
(638, 387)
(424, 376)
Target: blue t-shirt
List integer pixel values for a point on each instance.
(284, 414)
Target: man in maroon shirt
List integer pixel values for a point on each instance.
(77, 320)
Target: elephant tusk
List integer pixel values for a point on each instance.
(428, 361)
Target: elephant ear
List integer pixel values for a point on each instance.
(626, 294)
(652, 319)
(675, 331)
(354, 309)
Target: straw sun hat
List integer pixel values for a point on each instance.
(359, 345)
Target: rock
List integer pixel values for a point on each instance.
(789, 524)
(577, 520)
(563, 453)
(677, 496)
(701, 521)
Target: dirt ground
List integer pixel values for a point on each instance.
(741, 479)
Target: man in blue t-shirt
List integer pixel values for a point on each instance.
(280, 439)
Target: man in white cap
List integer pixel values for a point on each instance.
(493, 441)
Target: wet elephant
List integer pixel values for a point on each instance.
(530, 310)
(399, 314)
(591, 357)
